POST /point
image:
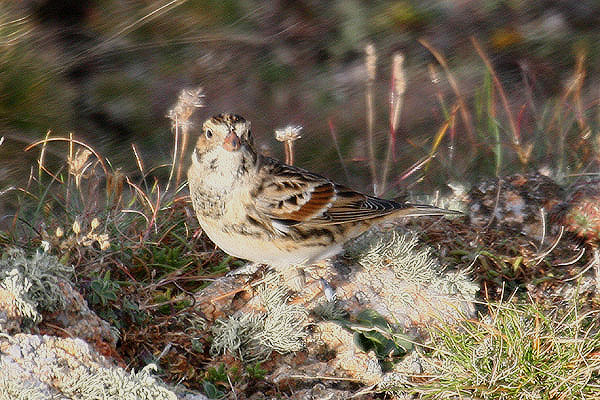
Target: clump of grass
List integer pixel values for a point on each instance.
(518, 351)
(330, 310)
(491, 134)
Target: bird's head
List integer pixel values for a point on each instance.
(226, 131)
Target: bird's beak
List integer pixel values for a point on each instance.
(232, 142)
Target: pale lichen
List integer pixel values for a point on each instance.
(114, 383)
(410, 262)
(253, 336)
(33, 282)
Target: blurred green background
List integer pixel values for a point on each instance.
(109, 71)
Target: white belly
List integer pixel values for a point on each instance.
(265, 251)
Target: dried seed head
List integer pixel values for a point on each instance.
(103, 241)
(371, 61)
(398, 74)
(187, 102)
(289, 133)
(114, 185)
(76, 227)
(78, 164)
(95, 223)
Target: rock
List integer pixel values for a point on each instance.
(79, 321)
(44, 367)
(514, 203)
(349, 360)
(35, 295)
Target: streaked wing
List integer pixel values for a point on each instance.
(351, 206)
(291, 195)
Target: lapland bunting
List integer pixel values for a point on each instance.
(260, 209)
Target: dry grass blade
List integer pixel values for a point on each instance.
(42, 154)
(490, 68)
(575, 83)
(333, 133)
(435, 80)
(70, 140)
(140, 163)
(580, 77)
(142, 195)
(416, 166)
(175, 151)
(396, 99)
(440, 135)
(464, 111)
(371, 66)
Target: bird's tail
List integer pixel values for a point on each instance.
(418, 210)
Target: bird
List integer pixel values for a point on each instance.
(262, 210)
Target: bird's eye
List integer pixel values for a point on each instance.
(209, 133)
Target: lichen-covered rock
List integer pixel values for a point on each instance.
(29, 286)
(15, 306)
(36, 288)
(218, 299)
(403, 281)
(36, 295)
(514, 202)
(321, 391)
(44, 367)
(79, 321)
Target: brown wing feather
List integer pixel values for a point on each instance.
(291, 195)
(319, 200)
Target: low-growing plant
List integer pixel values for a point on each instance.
(516, 351)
